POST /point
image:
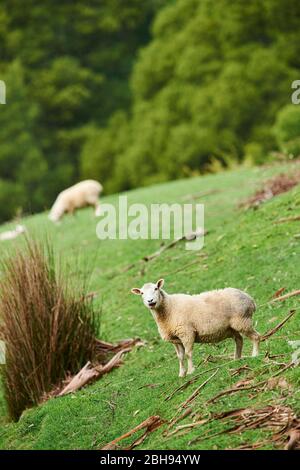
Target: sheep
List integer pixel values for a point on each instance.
(12, 234)
(209, 317)
(85, 193)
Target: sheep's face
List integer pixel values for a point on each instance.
(56, 212)
(53, 217)
(151, 294)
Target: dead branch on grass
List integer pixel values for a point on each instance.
(293, 218)
(277, 327)
(281, 420)
(90, 372)
(244, 385)
(188, 382)
(196, 392)
(188, 237)
(199, 195)
(286, 296)
(151, 424)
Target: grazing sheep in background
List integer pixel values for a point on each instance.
(11, 234)
(209, 317)
(85, 193)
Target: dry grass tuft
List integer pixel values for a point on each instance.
(49, 329)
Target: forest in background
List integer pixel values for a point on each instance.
(132, 93)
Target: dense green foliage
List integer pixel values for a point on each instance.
(93, 91)
(66, 66)
(209, 85)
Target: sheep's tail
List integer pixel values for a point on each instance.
(251, 307)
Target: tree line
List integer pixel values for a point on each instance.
(133, 93)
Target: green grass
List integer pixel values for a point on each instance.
(242, 249)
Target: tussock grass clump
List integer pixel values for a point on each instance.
(48, 327)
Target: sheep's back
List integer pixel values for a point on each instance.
(222, 304)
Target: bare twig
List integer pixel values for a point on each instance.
(151, 423)
(286, 296)
(240, 387)
(188, 426)
(176, 418)
(294, 439)
(189, 382)
(277, 327)
(196, 392)
(198, 195)
(90, 373)
(190, 236)
(278, 293)
(293, 218)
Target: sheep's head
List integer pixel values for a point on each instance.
(151, 293)
(53, 216)
(56, 211)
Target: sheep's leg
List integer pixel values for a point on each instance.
(180, 354)
(71, 210)
(188, 347)
(97, 209)
(254, 336)
(238, 345)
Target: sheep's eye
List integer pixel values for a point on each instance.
(156, 288)
(142, 293)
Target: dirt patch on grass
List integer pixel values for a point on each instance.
(279, 184)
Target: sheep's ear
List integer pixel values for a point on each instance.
(160, 283)
(136, 291)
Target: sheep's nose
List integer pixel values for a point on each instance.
(150, 301)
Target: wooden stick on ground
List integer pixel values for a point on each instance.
(189, 382)
(236, 389)
(293, 218)
(196, 392)
(89, 373)
(84, 376)
(198, 195)
(277, 327)
(151, 423)
(189, 237)
(286, 296)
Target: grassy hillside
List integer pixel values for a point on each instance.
(243, 249)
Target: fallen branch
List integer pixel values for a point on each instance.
(188, 426)
(294, 439)
(278, 293)
(279, 419)
(189, 382)
(89, 373)
(293, 218)
(176, 419)
(84, 376)
(196, 392)
(104, 347)
(188, 237)
(182, 268)
(286, 296)
(242, 386)
(198, 195)
(151, 424)
(239, 370)
(248, 446)
(277, 327)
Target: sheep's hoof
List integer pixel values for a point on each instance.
(182, 373)
(191, 371)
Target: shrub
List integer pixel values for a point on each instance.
(287, 129)
(49, 330)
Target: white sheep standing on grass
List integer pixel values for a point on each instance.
(85, 193)
(209, 317)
